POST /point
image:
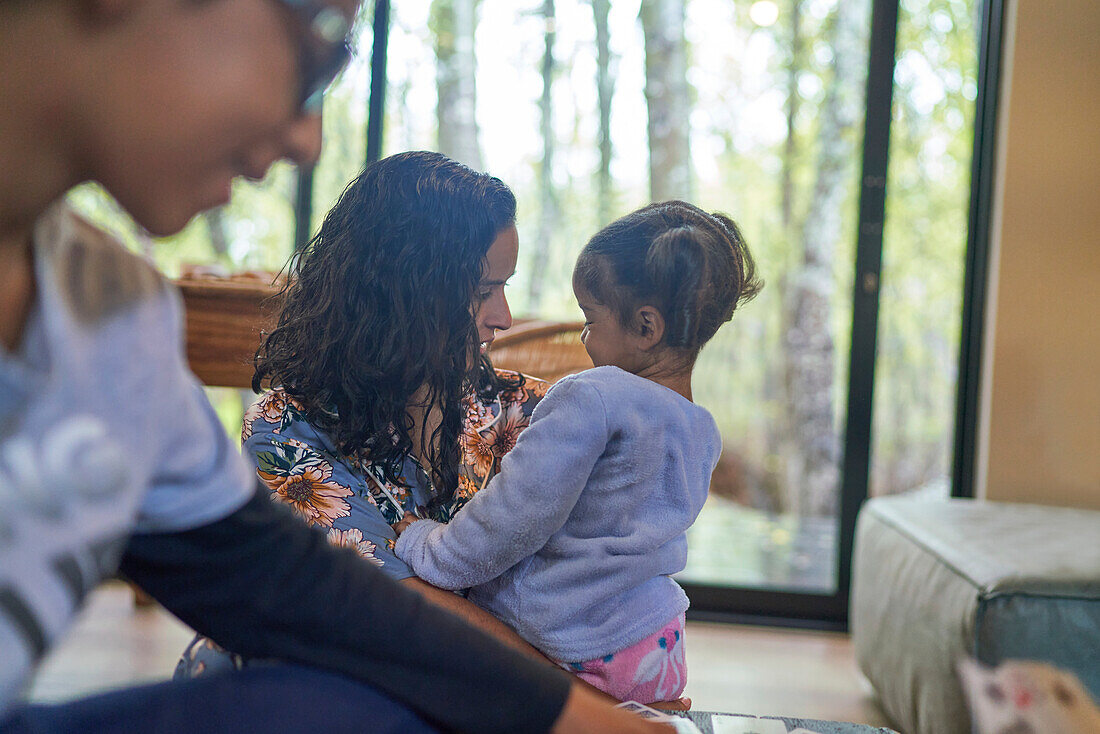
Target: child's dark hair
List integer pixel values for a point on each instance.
(694, 267)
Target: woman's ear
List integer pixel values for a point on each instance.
(650, 327)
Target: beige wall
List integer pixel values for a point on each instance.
(1042, 388)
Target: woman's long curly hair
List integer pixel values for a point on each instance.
(379, 305)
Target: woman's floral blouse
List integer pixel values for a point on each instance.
(348, 496)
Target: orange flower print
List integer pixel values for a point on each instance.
(250, 417)
(533, 388)
(354, 539)
(537, 388)
(502, 435)
(270, 408)
(310, 493)
(506, 374)
(513, 395)
(467, 487)
(272, 405)
(477, 452)
(400, 492)
(476, 412)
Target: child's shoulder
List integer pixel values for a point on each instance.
(624, 392)
(599, 375)
(607, 384)
(597, 378)
(610, 377)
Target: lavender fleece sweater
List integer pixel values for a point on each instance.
(574, 542)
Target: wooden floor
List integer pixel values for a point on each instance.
(732, 668)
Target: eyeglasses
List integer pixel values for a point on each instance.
(323, 49)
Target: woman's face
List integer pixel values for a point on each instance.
(204, 92)
(490, 307)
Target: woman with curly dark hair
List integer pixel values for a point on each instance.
(388, 311)
(380, 400)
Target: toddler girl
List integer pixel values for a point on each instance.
(574, 543)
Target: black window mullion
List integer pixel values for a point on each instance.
(982, 171)
(303, 208)
(855, 469)
(303, 197)
(377, 110)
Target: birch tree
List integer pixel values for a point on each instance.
(548, 199)
(605, 85)
(668, 99)
(794, 66)
(814, 449)
(453, 24)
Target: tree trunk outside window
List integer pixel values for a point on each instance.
(668, 98)
(809, 347)
(454, 23)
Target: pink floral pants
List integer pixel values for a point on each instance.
(647, 671)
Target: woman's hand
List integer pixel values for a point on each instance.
(408, 519)
(680, 704)
(588, 711)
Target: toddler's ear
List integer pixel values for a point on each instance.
(650, 327)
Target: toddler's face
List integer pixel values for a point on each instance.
(605, 339)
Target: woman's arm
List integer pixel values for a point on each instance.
(586, 712)
(473, 615)
(477, 617)
(261, 583)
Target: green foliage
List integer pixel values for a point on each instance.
(230, 403)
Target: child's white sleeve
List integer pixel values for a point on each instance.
(526, 503)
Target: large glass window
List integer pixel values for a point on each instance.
(924, 247)
(590, 108)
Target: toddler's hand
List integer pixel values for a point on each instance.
(400, 526)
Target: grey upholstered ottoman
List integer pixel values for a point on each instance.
(935, 580)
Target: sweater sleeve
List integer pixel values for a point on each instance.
(263, 584)
(526, 503)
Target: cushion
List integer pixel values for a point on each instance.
(936, 580)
